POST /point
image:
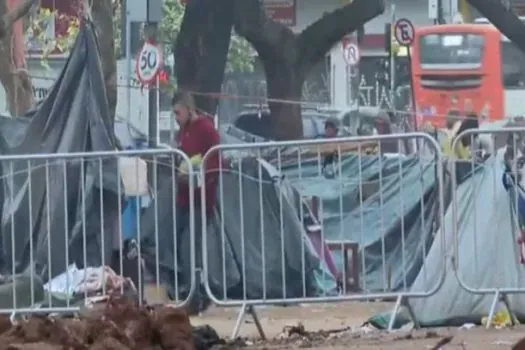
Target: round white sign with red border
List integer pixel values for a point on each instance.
(149, 62)
(404, 32)
(351, 54)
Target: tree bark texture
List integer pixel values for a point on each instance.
(15, 79)
(201, 50)
(288, 57)
(505, 20)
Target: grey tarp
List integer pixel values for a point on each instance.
(48, 203)
(394, 220)
(276, 275)
(487, 248)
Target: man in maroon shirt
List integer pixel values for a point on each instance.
(196, 136)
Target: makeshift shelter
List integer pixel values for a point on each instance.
(49, 205)
(386, 203)
(488, 255)
(277, 269)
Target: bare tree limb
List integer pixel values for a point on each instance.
(319, 37)
(266, 36)
(505, 20)
(10, 17)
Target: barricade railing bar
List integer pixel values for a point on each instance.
(296, 222)
(263, 221)
(82, 227)
(505, 170)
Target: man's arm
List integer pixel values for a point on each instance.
(212, 138)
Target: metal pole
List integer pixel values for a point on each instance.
(128, 61)
(153, 93)
(392, 61)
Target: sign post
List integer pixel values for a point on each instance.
(405, 32)
(352, 56)
(392, 54)
(149, 61)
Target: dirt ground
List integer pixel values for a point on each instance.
(338, 326)
(325, 324)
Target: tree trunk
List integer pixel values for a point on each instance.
(506, 21)
(284, 86)
(15, 79)
(201, 50)
(288, 58)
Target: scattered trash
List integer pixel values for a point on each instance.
(501, 319)
(468, 326)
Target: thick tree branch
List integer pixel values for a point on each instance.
(319, 37)
(201, 50)
(506, 21)
(266, 36)
(10, 17)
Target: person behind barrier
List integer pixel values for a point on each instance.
(462, 148)
(331, 127)
(196, 136)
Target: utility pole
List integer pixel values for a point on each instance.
(148, 12)
(392, 56)
(150, 31)
(153, 17)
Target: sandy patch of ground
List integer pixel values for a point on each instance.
(319, 319)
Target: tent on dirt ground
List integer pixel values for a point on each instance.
(391, 219)
(488, 254)
(279, 269)
(44, 200)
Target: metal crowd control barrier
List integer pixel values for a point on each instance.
(83, 209)
(471, 225)
(269, 245)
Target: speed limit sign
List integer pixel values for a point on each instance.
(149, 61)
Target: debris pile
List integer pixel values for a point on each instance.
(118, 324)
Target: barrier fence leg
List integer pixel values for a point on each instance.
(501, 297)
(402, 300)
(393, 315)
(492, 310)
(240, 318)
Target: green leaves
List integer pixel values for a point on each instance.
(241, 56)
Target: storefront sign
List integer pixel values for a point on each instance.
(283, 11)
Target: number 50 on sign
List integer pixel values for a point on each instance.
(149, 62)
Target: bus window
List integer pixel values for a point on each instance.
(513, 65)
(450, 49)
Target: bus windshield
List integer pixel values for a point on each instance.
(513, 65)
(451, 49)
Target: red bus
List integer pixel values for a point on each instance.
(458, 67)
